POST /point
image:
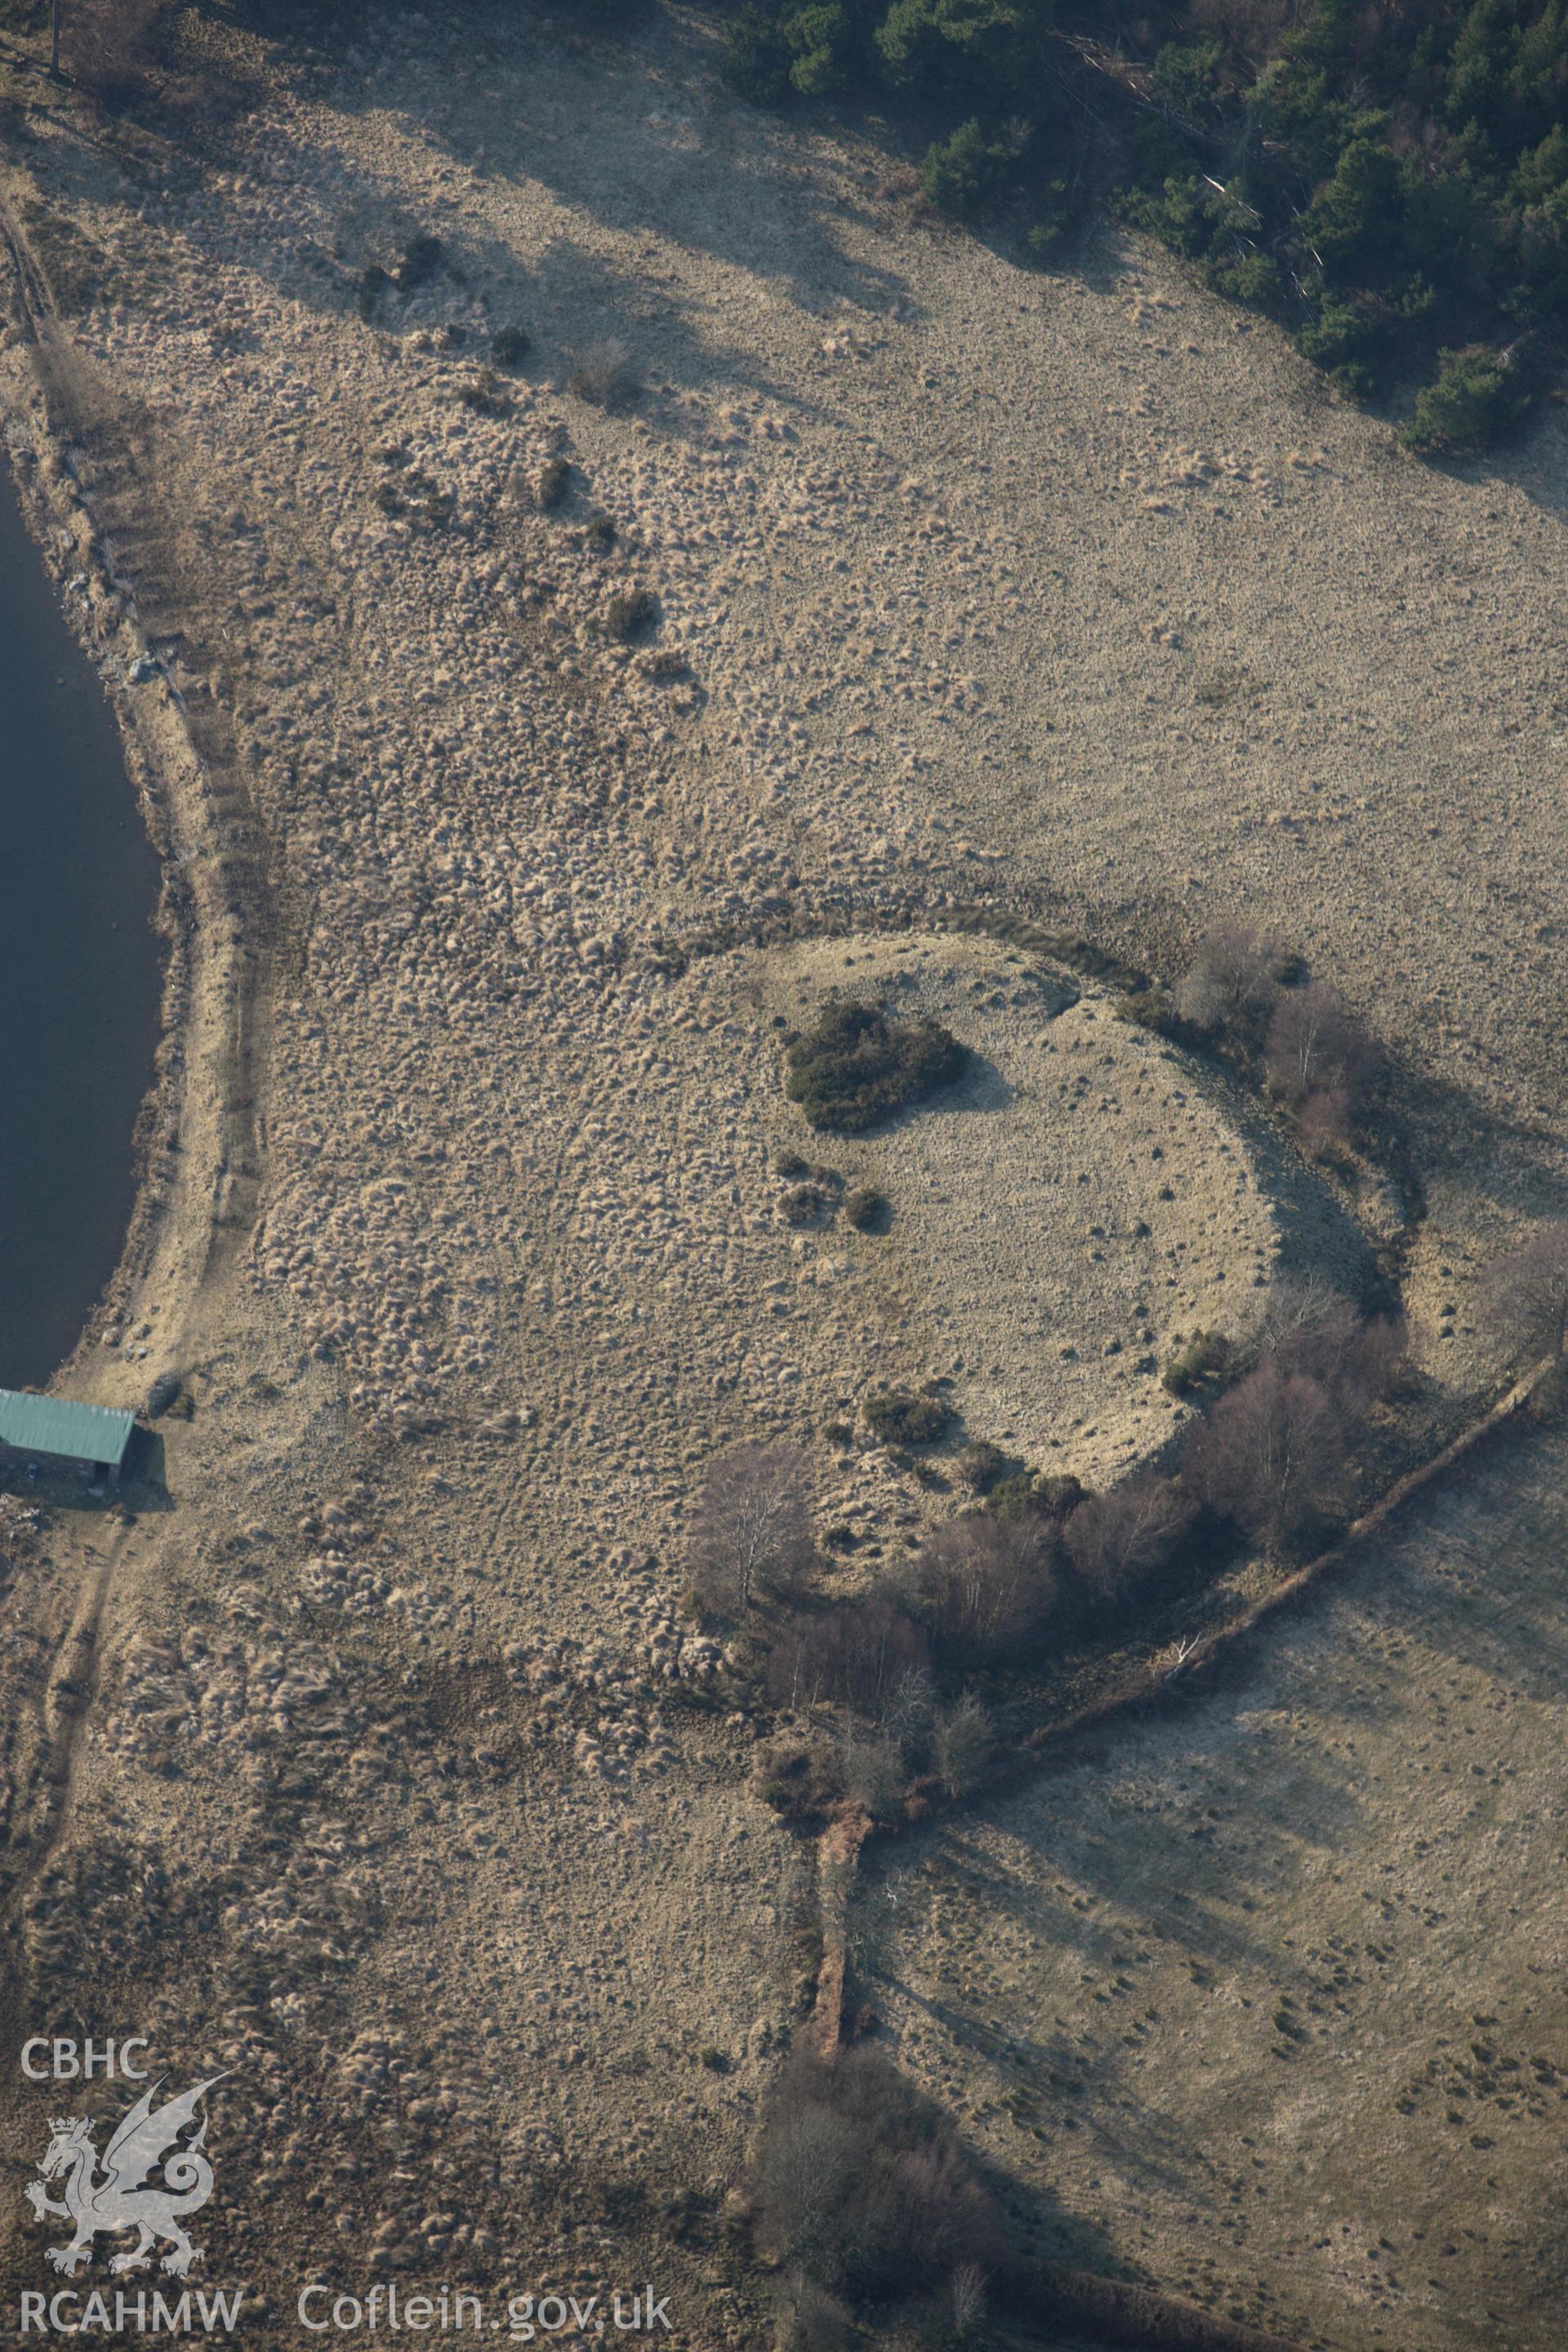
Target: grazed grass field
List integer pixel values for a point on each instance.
(1271, 1998)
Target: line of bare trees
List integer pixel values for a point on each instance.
(902, 1668)
(857, 2186)
(1244, 989)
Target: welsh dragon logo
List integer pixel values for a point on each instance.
(145, 2142)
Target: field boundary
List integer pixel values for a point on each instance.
(1156, 1684)
(1061, 1744)
(1117, 2312)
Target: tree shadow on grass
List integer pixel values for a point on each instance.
(1198, 1839)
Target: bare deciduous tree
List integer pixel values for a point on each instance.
(860, 1656)
(1230, 983)
(1308, 1327)
(982, 1585)
(864, 2183)
(1325, 1123)
(1317, 1049)
(923, 2212)
(1291, 1305)
(873, 1772)
(908, 1711)
(961, 1745)
(752, 1529)
(1119, 1537)
(1271, 1454)
(807, 2156)
(1524, 1296)
(809, 2319)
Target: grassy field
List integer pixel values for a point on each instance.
(1272, 2003)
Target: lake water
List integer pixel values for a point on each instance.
(80, 973)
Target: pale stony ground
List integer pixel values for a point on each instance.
(1062, 591)
(1271, 2000)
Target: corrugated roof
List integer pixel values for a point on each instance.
(47, 1424)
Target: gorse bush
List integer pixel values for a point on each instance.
(868, 1211)
(631, 610)
(485, 396)
(1015, 1496)
(420, 259)
(983, 1466)
(1201, 1362)
(550, 483)
(896, 1418)
(1149, 1008)
(855, 1067)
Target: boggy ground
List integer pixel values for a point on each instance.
(382, 1763)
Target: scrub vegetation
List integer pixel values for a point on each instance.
(855, 1067)
(891, 1689)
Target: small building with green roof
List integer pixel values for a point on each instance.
(61, 1430)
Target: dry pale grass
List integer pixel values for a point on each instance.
(1269, 1999)
(987, 584)
(1082, 1196)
